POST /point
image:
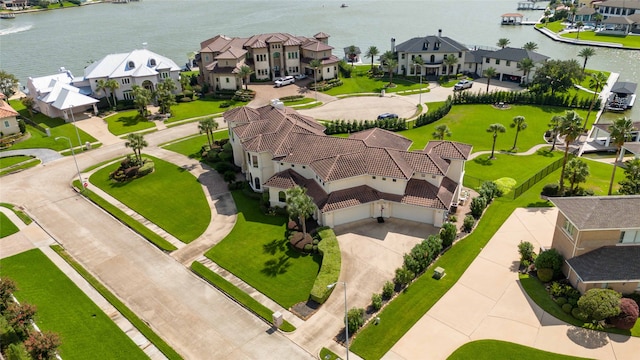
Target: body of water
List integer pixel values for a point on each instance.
(37, 44)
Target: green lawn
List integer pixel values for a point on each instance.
(12, 160)
(191, 146)
(468, 124)
(364, 84)
(8, 164)
(24, 217)
(85, 330)
(170, 197)
(257, 252)
(627, 41)
(127, 121)
(502, 350)
(7, 227)
(201, 107)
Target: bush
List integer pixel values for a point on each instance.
(229, 176)
(448, 234)
(453, 218)
(222, 167)
(330, 267)
(307, 248)
(403, 276)
(423, 254)
(355, 318)
(550, 259)
(525, 249)
(387, 290)
(600, 304)
(376, 301)
(552, 189)
(489, 190)
(633, 296)
(468, 223)
(579, 314)
(545, 275)
(146, 168)
(628, 315)
(478, 204)
(567, 308)
(561, 301)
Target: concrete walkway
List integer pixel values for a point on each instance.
(488, 302)
(531, 151)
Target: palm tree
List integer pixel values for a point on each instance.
(113, 85)
(495, 129)
(450, 60)
(245, 72)
(620, 132)
(596, 83)
(372, 52)
(208, 126)
(391, 67)
(579, 24)
(571, 128)
(576, 172)
(518, 123)
(388, 55)
(141, 98)
(164, 95)
(315, 64)
(598, 19)
(586, 53)
(299, 205)
(526, 65)
(530, 46)
(352, 53)
(101, 85)
(547, 13)
(631, 184)
(554, 128)
(441, 131)
(503, 42)
(489, 73)
(136, 142)
(418, 61)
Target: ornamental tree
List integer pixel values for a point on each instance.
(600, 304)
(628, 314)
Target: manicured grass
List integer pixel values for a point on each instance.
(127, 121)
(170, 197)
(629, 41)
(537, 292)
(7, 227)
(502, 350)
(12, 160)
(24, 217)
(364, 84)
(192, 145)
(308, 106)
(201, 107)
(29, 163)
(585, 82)
(299, 102)
(257, 252)
(127, 220)
(600, 176)
(555, 26)
(121, 307)
(326, 354)
(86, 332)
(468, 124)
(238, 295)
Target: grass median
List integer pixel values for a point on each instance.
(502, 350)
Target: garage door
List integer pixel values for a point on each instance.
(414, 213)
(348, 215)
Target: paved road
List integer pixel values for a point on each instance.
(194, 318)
(45, 155)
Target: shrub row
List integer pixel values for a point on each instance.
(325, 85)
(330, 268)
(523, 97)
(433, 116)
(291, 98)
(342, 126)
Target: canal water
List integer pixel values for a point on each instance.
(37, 44)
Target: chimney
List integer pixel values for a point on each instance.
(144, 45)
(439, 32)
(393, 44)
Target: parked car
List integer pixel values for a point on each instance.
(387, 116)
(300, 76)
(285, 81)
(463, 84)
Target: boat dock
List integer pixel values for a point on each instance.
(515, 19)
(529, 5)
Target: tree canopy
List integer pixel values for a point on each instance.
(299, 205)
(557, 76)
(8, 83)
(600, 304)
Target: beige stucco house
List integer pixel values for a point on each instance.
(371, 174)
(8, 118)
(269, 56)
(599, 237)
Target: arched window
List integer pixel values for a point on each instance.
(131, 65)
(152, 62)
(256, 183)
(433, 59)
(282, 197)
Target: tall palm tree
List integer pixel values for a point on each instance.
(372, 52)
(391, 67)
(586, 53)
(596, 83)
(620, 132)
(547, 13)
(570, 128)
(387, 56)
(141, 98)
(136, 142)
(503, 42)
(299, 205)
(579, 25)
(576, 172)
(554, 128)
(519, 124)
(418, 61)
(440, 132)
(352, 53)
(450, 60)
(495, 129)
(598, 19)
(526, 65)
(244, 72)
(113, 85)
(315, 65)
(208, 126)
(101, 85)
(489, 73)
(530, 46)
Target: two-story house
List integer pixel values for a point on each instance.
(371, 174)
(433, 50)
(269, 56)
(505, 61)
(8, 118)
(57, 95)
(620, 16)
(599, 237)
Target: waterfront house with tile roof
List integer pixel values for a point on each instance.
(599, 237)
(8, 118)
(368, 175)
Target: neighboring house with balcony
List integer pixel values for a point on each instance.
(599, 237)
(433, 50)
(371, 174)
(505, 61)
(620, 16)
(8, 118)
(270, 56)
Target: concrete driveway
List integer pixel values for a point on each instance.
(363, 108)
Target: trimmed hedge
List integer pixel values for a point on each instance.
(330, 268)
(524, 97)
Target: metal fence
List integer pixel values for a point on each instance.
(536, 178)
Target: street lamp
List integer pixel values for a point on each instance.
(73, 119)
(346, 317)
(74, 157)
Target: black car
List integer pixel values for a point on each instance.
(387, 116)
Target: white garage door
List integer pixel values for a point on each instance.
(355, 213)
(414, 213)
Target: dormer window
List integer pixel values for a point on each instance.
(152, 62)
(131, 65)
(425, 45)
(436, 46)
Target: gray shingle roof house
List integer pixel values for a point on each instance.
(367, 175)
(505, 61)
(432, 49)
(599, 237)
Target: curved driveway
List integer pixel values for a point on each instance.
(45, 155)
(363, 108)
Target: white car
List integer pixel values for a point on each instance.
(300, 76)
(285, 81)
(463, 84)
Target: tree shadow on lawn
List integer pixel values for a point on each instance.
(545, 152)
(483, 160)
(275, 246)
(280, 264)
(128, 121)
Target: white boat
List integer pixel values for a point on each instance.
(7, 15)
(623, 96)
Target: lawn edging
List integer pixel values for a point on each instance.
(237, 295)
(156, 340)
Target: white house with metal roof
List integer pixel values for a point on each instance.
(57, 96)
